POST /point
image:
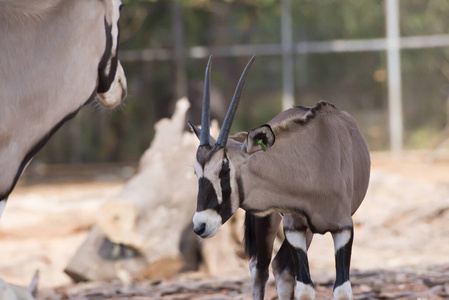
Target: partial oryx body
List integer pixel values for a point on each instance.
(55, 56)
(309, 165)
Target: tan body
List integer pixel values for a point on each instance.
(309, 165)
(319, 167)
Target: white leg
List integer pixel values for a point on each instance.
(284, 272)
(259, 277)
(2, 206)
(304, 291)
(265, 230)
(304, 285)
(343, 292)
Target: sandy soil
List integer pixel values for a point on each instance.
(401, 229)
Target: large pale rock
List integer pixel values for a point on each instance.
(223, 254)
(158, 202)
(13, 292)
(154, 209)
(99, 259)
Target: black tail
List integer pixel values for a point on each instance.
(250, 235)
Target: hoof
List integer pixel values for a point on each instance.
(343, 292)
(285, 288)
(304, 291)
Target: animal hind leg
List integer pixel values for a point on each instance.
(299, 238)
(343, 247)
(284, 272)
(264, 233)
(284, 269)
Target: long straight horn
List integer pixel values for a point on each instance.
(227, 123)
(205, 115)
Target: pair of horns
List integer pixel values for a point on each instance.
(205, 115)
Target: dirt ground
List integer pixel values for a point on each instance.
(401, 246)
(432, 283)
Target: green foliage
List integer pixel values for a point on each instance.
(330, 20)
(421, 17)
(355, 82)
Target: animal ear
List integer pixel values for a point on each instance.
(197, 132)
(259, 139)
(194, 129)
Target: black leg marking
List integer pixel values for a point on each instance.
(33, 150)
(343, 260)
(264, 231)
(298, 247)
(284, 272)
(302, 266)
(297, 240)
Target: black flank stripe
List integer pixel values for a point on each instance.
(42, 142)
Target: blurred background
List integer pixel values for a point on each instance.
(330, 50)
(386, 64)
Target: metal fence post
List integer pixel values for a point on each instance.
(288, 88)
(394, 76)
(178, 36)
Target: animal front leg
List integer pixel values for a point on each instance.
(262, 239)
(343, 246)
(297, 239)
(284, 272)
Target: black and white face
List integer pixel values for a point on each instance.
(112, 86)
(220, 190)
(218, 194)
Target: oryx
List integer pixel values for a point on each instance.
(55, 56)
(308, 166)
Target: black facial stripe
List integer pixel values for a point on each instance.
(225, 170)
(41, 143)
(240, 190)
(225, 208)
(105, 80)
(207, 198)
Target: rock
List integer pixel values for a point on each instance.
(410, 287)
(13, 292)
(99, 259)
(153, 210)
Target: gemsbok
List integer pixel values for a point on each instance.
(308, 166)
(55, 57)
